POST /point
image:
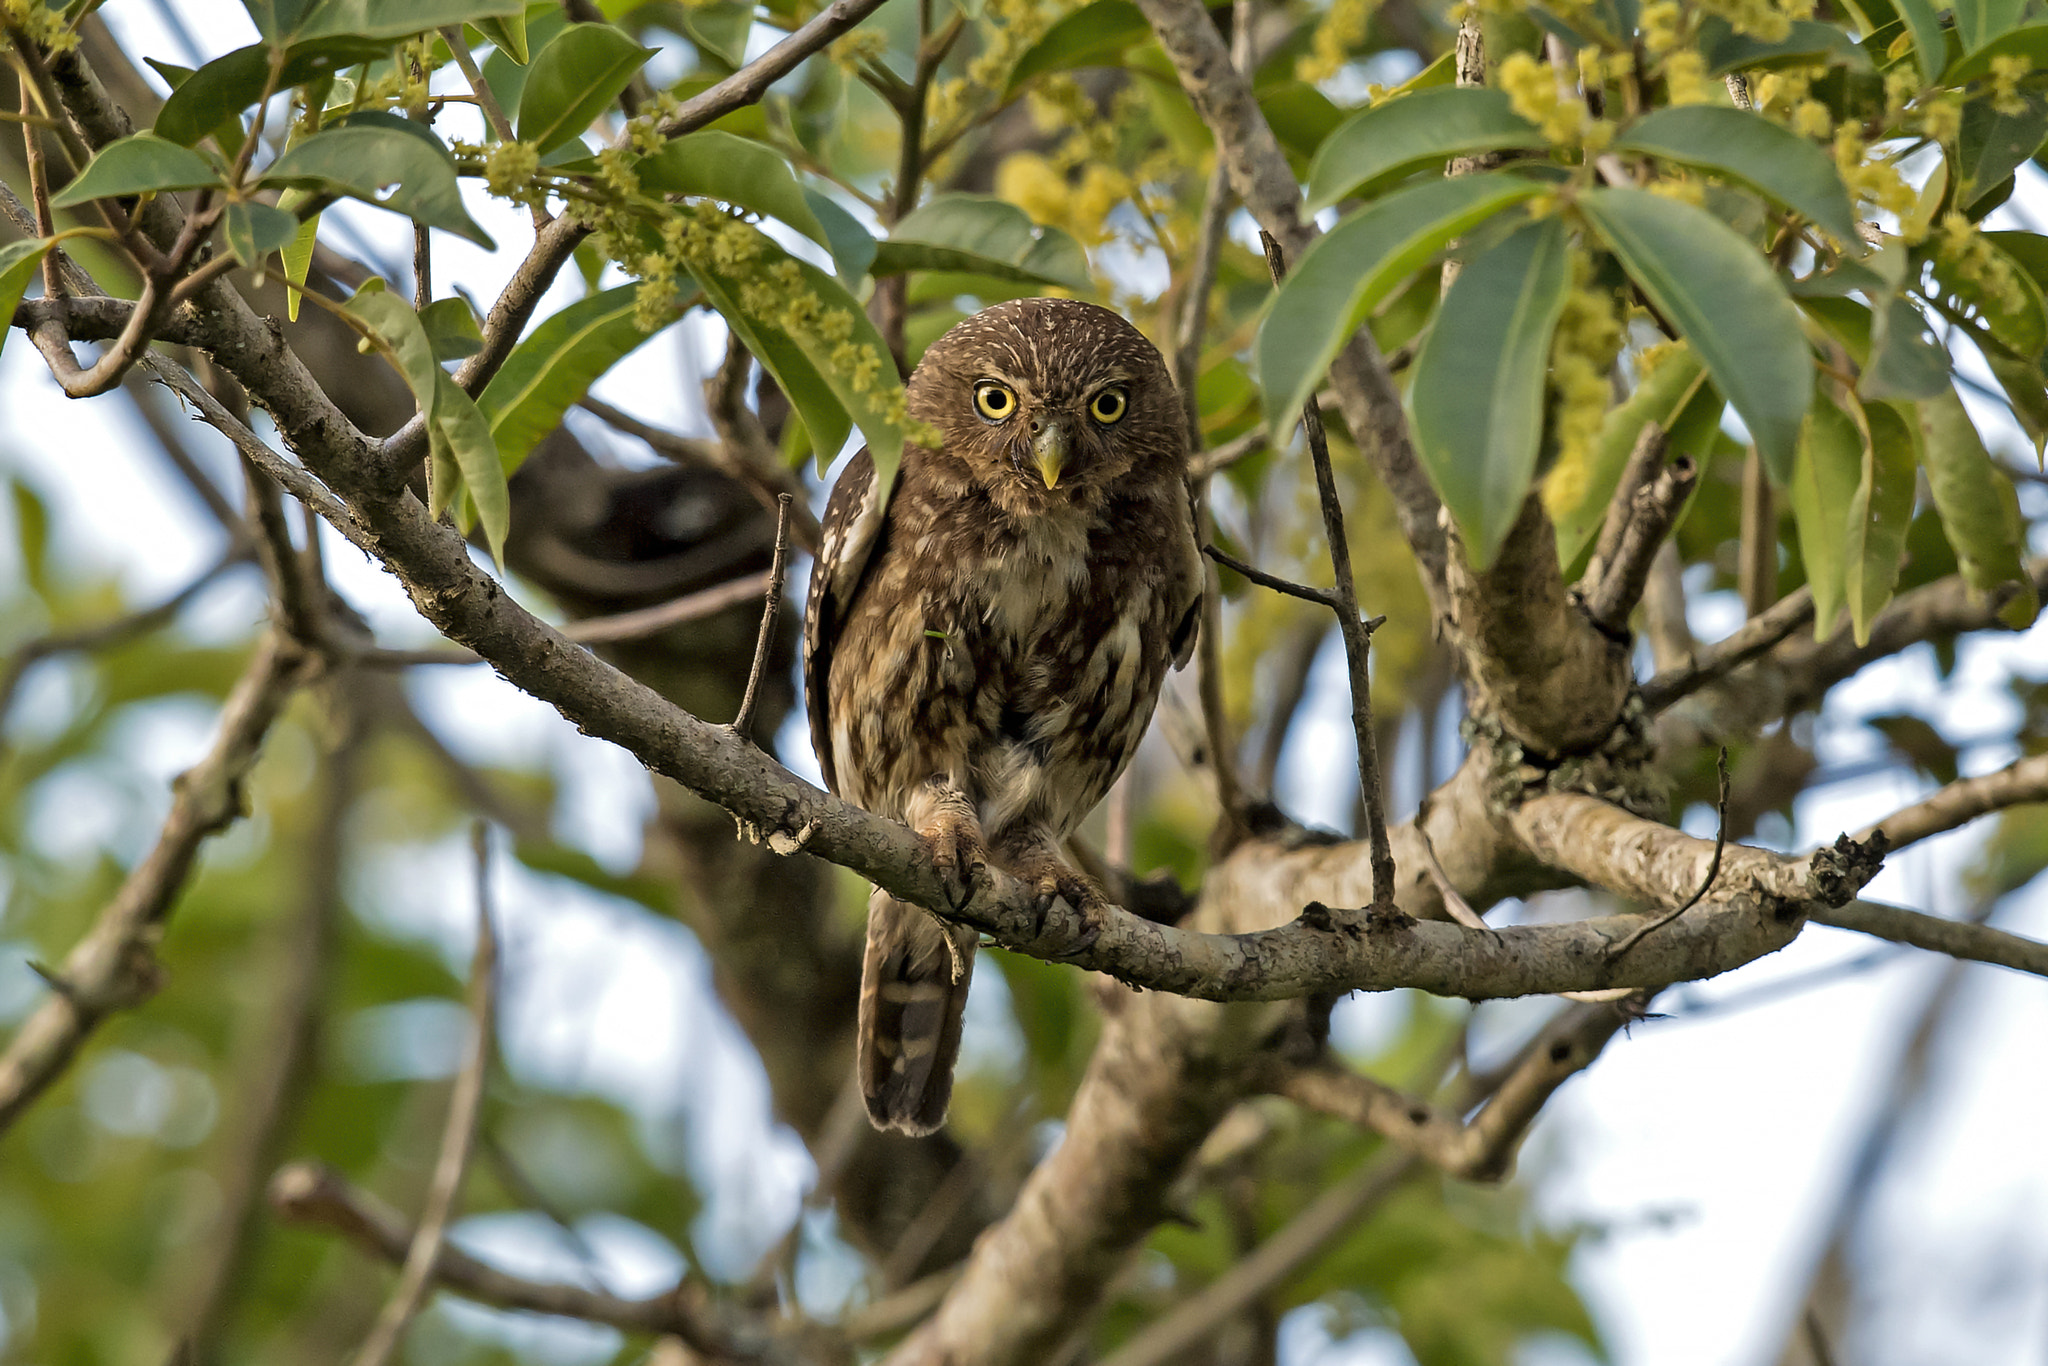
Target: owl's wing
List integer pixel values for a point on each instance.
(852, 526)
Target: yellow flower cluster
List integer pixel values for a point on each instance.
(1966, 251)
(1008, 29)
(1760, 18)
(1342, 28)
(42, 25)
(861, 46)
(1901, 84)
(510, 169)
(1582, 350)
(2006, 75)
(1810, 119)
(1662, 28)
(1871, 180)
(1685, 78)
(1942, 119)
(1532, 92)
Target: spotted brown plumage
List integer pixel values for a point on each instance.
(983, 652)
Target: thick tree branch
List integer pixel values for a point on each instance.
(114, 966)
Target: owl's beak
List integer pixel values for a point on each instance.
(1049, 453)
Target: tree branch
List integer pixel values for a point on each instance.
(1956, 938)
(114, 966)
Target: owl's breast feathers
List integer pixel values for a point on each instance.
(1018, 657)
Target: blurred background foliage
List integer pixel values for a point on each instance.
(660, 1071)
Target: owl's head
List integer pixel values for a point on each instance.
(1050, 402)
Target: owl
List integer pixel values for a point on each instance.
(983, 647)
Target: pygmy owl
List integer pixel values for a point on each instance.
(984, 647)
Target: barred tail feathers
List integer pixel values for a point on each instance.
(913, 998)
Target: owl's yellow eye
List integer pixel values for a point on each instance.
(1108, 406)
(994, 401)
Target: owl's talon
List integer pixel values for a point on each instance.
(958, 857)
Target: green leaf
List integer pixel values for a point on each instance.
(254, 230)
(1725, 300)
(736, 170)
(137, 165)
(507, 34)
(370, 151)
(1979, 511)
(805, 363)
(1477, 393)
(1980, 21)
(1750, 149)
(982, 235)
(1301, 117)
(720, 29)
(298, 260)
(1903, 363)
(852, 246)
(18, 264)
(1991, 146)
(299, 20)
(1395, 137)
(225, 86)
(395, 330)
(1879, 514)
(459, 435)
(1807, 43)
(1094, 35)
(1929, 46)
(1576, 494)
(451, 327)
(551, 370)
(572, 80)
(1824, 477)
(2030, 42)
(1337, 282)
(2026, 388)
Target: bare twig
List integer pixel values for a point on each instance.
(771, 607)
(1321, 597)
(1217, 459)
(1956, 938)
(107, 633)
(1629, 941)
(1340, 1207)
(310, 1193)
(1645, 458)
(114, 966)
(1652, 510)
(1754, 637)
(486, 99)
(458, 1135)
(1357, 635)
(766, 482)
(1960, 802)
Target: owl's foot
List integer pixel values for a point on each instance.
(958, 854)
(1054, 880)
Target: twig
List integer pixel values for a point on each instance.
(311, 1193)
(1217, 459)
(771, 608)
(1321, 597)
(1757, 636)
(115, 632)
(458, 1135)
(114, 966)
(1357, 636)
(1454, 900)
(765, 481)
(751, 82)
(494, 113)
(1629, 941)
(1956, 938)
(1960, 802)
(1645, 458)
(1652, 510)
(1481, 1149)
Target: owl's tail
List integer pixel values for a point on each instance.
(913, 997)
